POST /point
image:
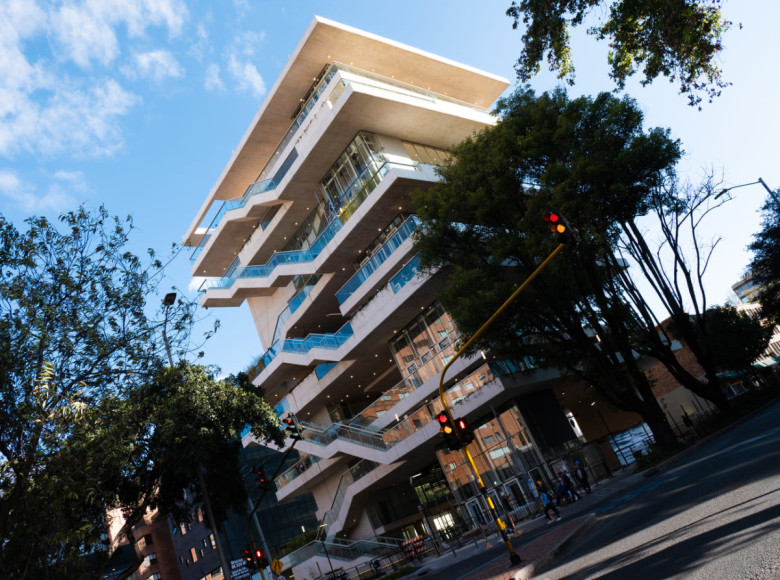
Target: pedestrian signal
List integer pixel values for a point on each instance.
(465, 431)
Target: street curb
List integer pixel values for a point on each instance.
(545, 562)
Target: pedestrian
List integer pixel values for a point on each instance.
(549, 505)
(581, 476)
(568, 488)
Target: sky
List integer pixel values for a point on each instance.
(138, 105)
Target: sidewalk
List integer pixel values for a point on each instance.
(539, 553)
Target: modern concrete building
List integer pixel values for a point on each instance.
(311, 224)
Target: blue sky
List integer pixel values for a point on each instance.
(138, 104)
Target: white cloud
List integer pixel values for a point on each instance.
(74, 179)
(240, 55)
(157, 65)
(56, 199)
(213, 82)
(86, 31)
(79, 121)
(83, 36)
(200, 45)
(247, 76)
(47, 105)
(9, 181)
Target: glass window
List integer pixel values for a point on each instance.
(151, 559)
(193, 555)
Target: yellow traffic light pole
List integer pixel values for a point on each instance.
(513, 556)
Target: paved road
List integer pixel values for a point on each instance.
(715, 515)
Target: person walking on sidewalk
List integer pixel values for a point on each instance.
(549, 505)
(581, 476)
(567, 489)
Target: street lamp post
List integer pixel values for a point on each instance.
(761, 181)
(325, 547)
(168, 301)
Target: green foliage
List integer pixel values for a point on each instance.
(90, 419)
(737, 339)
(678, 39)
(591, 160)
(765, 265)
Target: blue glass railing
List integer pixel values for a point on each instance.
(379, 258)
(268, 184)
(254, 189)
(324, 369)
(278, 259)
(354, 194)
(293, 305)
(304, 345)
(405, 274)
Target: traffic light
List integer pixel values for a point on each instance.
(292, 427)
(260, 561)
(246, 555)
(465, 430)
(445, 428)
(559, 225)
(262, 480)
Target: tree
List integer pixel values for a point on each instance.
(588, 158)
(765, 264)
(739, 339)
(679, 39)
(90, 418)
(676, 276)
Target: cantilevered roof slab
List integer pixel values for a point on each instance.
(324, 42)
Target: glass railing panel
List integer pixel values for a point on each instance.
(413, 423)
(445, 350)
(379, 258)
(424, 415)
(297, 123)
(405, 274)
(292, 306)
(199, 248)
(264, 185)
(303, 345)
(231, 204)
(308, 255)
(299, 468)
(324, 369)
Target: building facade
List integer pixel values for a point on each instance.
(311, 225)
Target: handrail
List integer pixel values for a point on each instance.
(380, 257)
(423, 415)
(302, 256)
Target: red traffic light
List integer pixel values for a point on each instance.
(558, 224)
(461, 424)
(442, 418)
(258, 554)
